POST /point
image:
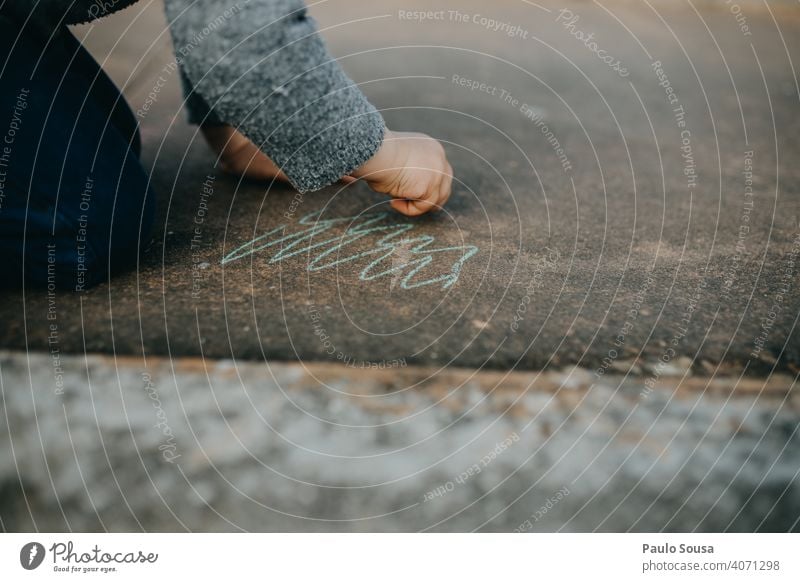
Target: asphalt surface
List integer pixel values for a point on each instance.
(596, 222)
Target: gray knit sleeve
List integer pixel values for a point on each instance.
(261, 66)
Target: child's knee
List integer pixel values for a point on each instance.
(91, 244)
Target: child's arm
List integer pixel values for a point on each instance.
(411, 167)
(262, 68)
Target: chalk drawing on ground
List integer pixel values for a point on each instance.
(395, 254)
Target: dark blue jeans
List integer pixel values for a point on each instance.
(75, 202)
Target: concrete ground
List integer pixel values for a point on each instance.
(218, 445)
(621, 250)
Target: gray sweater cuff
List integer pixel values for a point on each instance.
(261, 66)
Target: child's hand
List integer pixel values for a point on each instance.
(411, 167)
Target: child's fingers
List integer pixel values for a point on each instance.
(422, 206)
(449, 179)
(410, 207)
(445, 188)
(403, 207)
(432, 200)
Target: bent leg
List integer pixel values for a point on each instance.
(75, 202)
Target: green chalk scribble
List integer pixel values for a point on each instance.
(414, 254)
